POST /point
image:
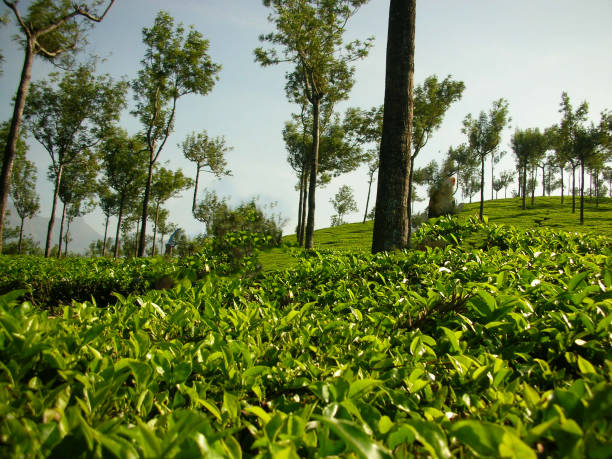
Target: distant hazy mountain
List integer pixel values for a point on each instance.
(81, 233)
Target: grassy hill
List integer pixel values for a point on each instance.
(546, 212)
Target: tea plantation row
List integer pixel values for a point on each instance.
(502, 352)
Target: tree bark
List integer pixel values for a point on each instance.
(482, 172)
(13, 134)
(533, 175)
(61, 231)
(303, 221)
(410, 178)
(524, 186)
(298, 230)
(20, 236)
(561, 184)
(573, 189)
(155, 229)
(117, 234)
(582, 192)
(142, 241)
(365, 214)
(105, 236)
(195, 188)
(391, 218)
(53, 208)
(314, 165)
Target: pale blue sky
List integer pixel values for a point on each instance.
(525, 51)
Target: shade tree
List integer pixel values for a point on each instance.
(176, 63)
(68, 115)
(51, 29)
(166, 184)
(309, 35)
(391, 225)
(124, 167)
(208, 154)
(343, 203)
(23, 192)
(484, 136)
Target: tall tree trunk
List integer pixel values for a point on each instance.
(20, 236)
(561, 167)
(391, 219)
(314, 166)
(105, 235)
(533, 177)
(524, 186)
(117, 233)
(299, 229)
(142, 241)
(596, 188)
(492, 175)
(155, 229)
(410, 179)
(61, 231)
(195, 188)
(66, 236)
(573, 189)
(543, 182)
(482, 172)
(581, 192)
(304, 202)
(58, 179)
(365, 214)
(13, 134)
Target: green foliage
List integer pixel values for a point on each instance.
(221, 219)
(446, 352)
(344, 203)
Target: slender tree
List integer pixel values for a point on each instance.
(391, 223)
(572, 121)
(528, 145)
(166, 184)
(124, 161)
(23, 192)
(484, 135)
(343, 202)
(68, 116)
(432, 100)
(309, 35)
(372, 169)
(77, 189)
(339, 153)
(208, 153)
(51, 29)
(108, 203)
(176, 64)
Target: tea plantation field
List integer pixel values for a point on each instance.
(504, 350)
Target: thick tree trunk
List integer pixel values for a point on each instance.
(314, 166)
(582, 192)
(117, 233)
(13, 134)
(142, 241)
(20, 236)
(105, 236)
(61, 231)
(391, 218)
(58, 179)
(482, 171)
(195, 189)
